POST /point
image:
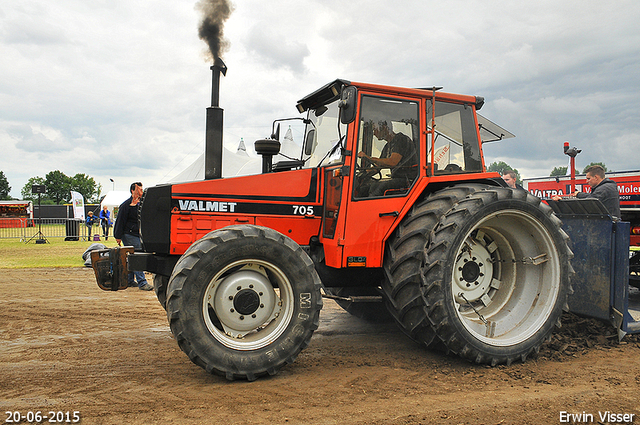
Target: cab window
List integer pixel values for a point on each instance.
(388, 147)
(456, 139)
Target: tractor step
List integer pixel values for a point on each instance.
(356, 298)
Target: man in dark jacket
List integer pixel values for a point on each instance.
(127, 230)
(603, 189)
(401, 158)
(510, 178)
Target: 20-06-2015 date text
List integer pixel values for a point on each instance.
(52, 417)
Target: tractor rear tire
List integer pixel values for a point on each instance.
(243, 301)
(497, 276)
(405, 258)
(494, 277)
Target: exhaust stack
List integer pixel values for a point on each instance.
(213, 136)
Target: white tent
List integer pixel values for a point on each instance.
(237, 163)
(113, 199)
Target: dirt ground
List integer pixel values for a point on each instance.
(68, 346)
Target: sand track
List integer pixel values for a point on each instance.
(65, 345)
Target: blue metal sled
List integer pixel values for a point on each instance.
(601, 262)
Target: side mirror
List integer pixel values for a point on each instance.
(309, 142)
(348, 105)
(276, 135)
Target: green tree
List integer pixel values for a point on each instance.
(584, 171)
(58, 186)
(26, 191)
(86, 186)
(559, 171)
(501, 167)
(4, 187)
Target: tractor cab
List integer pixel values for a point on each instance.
(377, 148)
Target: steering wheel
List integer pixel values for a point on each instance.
(365, 173)
(368, 169)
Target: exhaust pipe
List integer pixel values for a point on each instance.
(213, 136)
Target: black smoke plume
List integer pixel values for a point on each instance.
(211, 31)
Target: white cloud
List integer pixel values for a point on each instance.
(275, 49)
(118, 89)
(45, 141)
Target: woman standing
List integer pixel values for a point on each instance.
(105, 220)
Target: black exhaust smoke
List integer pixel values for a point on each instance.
(215, 13)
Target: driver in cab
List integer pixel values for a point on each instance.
(399, 155)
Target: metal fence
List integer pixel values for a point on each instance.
(26, 229)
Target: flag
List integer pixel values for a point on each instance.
(78, 205)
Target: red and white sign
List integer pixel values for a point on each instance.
(628, 185)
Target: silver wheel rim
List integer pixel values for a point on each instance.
(506, 278)
(248, 304)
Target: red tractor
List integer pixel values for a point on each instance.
(389, 210)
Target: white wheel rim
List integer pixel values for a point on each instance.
(248, 304)
(506, 278)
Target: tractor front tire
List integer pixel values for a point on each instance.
(243, 301)
(160, 284)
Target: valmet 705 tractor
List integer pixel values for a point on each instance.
(389, 201)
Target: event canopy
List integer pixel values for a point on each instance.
(113, 199)
(238, 163)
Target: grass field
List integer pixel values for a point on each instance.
(57, 253)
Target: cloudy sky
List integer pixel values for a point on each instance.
(118, 89)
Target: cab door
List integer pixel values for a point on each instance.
(386, 166)
(332, 215)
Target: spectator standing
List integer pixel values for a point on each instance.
(105, 221)
(127, 230)
(602, 188)
(510, 179)
(89, 223)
